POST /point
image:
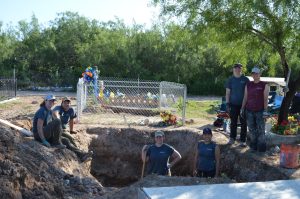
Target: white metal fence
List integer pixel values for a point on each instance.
(128, 96)
(7, 88)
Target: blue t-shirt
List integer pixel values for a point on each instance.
(65, 116)
(158, 159)
(206, 156)
(44, 114)
(237, 89)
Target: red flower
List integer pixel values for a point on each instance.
(284, 123)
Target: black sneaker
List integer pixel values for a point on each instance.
(253, 150)
(60, 146)
(243, 144)
(231, 141)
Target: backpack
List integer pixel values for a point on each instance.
(219, 122)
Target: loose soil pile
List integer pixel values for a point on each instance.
(30, 170)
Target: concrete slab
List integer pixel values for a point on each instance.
(280, 189)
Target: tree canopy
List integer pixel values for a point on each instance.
(259, 26)
(59, 53)
(197, 53)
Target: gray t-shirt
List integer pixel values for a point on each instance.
(44, 114)
(237, 89)
(65, 116)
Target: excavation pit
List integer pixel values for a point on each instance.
(117, 154)
(117, 161)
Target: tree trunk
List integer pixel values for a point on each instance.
(294, 86)
(285, 106)
(286, 102)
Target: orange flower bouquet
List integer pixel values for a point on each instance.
(168, 118)
(288, 127)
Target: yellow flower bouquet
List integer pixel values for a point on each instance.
(168, 118)
(291, 126)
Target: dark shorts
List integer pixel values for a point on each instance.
(206, 174)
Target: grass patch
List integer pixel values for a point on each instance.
(8, 105)
(201, 109)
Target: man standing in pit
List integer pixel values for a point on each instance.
(235, 88)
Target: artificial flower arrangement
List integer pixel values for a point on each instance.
(168, 117)
(89, 75)
(287, 127)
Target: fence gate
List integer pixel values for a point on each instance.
(128, 98)
(7, 89)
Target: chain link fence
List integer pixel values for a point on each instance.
(130, 98)
(7, 89)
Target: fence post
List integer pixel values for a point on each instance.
(160, 93)
(138, 84)
(184, 104)
(15, 82)
(79, 98)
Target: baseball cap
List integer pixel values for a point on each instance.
(237, 65)
(207, 131)
(66, 99)
(159, 133)
(50, 97)
(255, 69)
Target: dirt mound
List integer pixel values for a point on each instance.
(30, 170)
(22, 121)
(117, 159)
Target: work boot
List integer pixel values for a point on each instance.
(87, 157)
(253, 150)
(73, 132)
(60, 146)
(231, 141)
(243, 144)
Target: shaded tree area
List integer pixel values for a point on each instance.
(265, 30)
(57, 55)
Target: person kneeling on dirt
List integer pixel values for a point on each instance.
(46, 129)
(207, 158)
(158, 156)
(66, 115)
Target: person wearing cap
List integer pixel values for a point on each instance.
(46, 129)
(207, 157)
(256, 103)
(235, 87)
(66, 114)
(158, 154)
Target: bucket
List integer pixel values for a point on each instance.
(289, 156)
